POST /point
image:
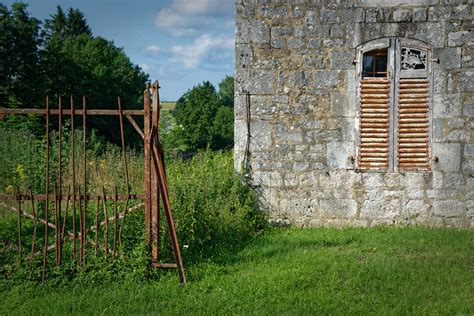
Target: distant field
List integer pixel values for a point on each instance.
(168, 105)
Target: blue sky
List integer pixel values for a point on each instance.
(179, 42)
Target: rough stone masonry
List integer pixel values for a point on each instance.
(297, 115)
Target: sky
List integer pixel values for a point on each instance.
(179, 42)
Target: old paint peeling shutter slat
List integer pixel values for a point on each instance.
(374, 124)
(413, 125)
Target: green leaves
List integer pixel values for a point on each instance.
(63, 58)
(205, 117)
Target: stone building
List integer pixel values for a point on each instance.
(357, 112)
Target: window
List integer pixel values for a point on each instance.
(393, 105)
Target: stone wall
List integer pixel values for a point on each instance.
(295, 59)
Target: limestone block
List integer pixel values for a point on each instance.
(343, 105)
(462, 12)
(439, 13)
(295, 42)
(394, 180)
(301, 166)
(348, 127)
(279, 31)
(273, 12)
(339, 153)
(438, 180)
(279, 43)
(351, 15)
(467, 81)
(439, 130)
(338, 208)
(467, 60)
(301, 206)
(459, 135)
(393, 3)
(446, 105)
(260, 135)
(341, 59)
(431, 32)
(372, 180)
(315, 62)
(468, 110)
(415, 193)
(469, 150)
(290, 179)
(308, 179)
(449, 57)
(240, 135)
(326, 78)
(371, 16)
(459, 38)
(414, 208)
(267, 179)
(453, 180)
(328, 16)
(299, 78)
(259, 32)
(449, 208)
(292, 136)
(314, 43)
(468, 165)
(449, 155)
(238, 160)
(261, 81)
(380, 209)
(299, 12)
(402, 15)
(312, 17)
(419, 15)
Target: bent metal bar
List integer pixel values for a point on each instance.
(155, 186)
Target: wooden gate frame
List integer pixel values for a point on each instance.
(154, 182)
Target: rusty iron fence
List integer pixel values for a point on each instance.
(71, 203)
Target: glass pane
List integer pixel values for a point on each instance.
(374, 63)
(367, 65)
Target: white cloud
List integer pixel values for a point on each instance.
(145, 67)
(153, 48)
(203, 7)
(187, 17)
(205, 46)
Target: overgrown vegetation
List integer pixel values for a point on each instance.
(293, 271)
(212, 208)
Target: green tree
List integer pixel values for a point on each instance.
(21, 81)
(204, 117)
(226, 91)
(64, 58)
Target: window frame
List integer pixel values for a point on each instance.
(394, 73)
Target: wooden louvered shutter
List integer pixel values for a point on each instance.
(413, 150)
(374, 124)
(412, 106)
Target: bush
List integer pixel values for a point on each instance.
(212, 207)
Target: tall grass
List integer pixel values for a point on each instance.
(213, 210)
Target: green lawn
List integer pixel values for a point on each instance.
(290, 271)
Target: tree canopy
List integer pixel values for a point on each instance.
(204, 116)
(62, 57)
